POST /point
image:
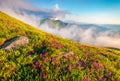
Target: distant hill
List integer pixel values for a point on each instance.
(53, 23)
(51, 58)
(60, 24)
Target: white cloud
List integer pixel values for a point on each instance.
(23, 10)
(56, 7)
(88, 36)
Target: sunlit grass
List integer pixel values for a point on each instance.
(51, 58)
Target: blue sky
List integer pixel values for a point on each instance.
(90, 11)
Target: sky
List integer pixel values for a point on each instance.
(89, 11)
(83, 11)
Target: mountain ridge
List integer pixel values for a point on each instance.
(61, 24)
(53, 23)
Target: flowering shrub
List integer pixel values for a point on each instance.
(51, 58)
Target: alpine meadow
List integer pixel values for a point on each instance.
(76, 40)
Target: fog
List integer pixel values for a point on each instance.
(90, 35)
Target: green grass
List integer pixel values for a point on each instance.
(51, 58)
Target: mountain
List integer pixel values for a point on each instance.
(51, 58)
(112, 27)
(53, 23)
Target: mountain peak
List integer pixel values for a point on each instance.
(53, 22)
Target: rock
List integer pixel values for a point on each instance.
(16, 43)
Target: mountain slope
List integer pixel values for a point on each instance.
(50, 58)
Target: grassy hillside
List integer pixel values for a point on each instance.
(51, 58)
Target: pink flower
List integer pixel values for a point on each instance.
(65, 57)
(98, 65)
(35, 66)
(110, 73)
(100, 78)
(41, 75)
(37, 63)
(101, 67)
(78, 65)
(40, 54)
(95, 63)
(54, 41)
(46, 59)
(87, 79)
(44, 76)
(46, 54)
(53, 59)
(41, 68)
(55, 46)
(69, 67)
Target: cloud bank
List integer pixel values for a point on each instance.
(22, 10)
(90, 35)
